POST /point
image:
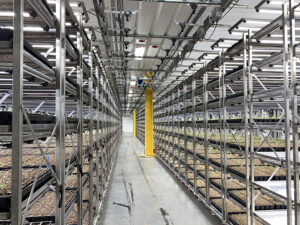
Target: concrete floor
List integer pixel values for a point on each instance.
(143, 192)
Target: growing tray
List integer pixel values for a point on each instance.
(262, 202)
(261, 173)
(241, 219)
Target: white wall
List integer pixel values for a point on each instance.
(128, 124)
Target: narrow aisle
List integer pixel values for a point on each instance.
(142, 192)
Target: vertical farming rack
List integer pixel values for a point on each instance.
(60, 121)
(140, 123)
(230, 131)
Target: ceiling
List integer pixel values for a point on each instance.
(139, 37)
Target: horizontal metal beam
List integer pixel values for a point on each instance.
(201, 2)
(113, 34)
(144, 70)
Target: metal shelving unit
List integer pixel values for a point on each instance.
(230, 129)
(60, 121)
(140, 123)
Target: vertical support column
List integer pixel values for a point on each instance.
(173, 130)
(185, 130)
(287, 113)
(60, 109)
(251, 127)
(178, 121)
(98, 187)
(134, 123)
(168, 127)
(80, 122)
(91, 141)
(293, 58)
(194, 131)
(222, 96)
(246, 118)
(206, 149)
(103, 168)
(17, 115)
(149, 122)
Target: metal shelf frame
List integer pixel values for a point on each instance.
(228, 111)
(55, 101)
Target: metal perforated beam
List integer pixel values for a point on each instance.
(202, 2)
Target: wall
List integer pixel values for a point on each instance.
(127, 124)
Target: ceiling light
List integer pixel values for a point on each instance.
(257, 22)
(74, 4)
(266, 50)
(28, 29)
(10, 14)
(132, 83)
(275, 11)
(42, 46)
(139, 52)
(249, 28)
(271, 41)
(235, 33)
(34, 29)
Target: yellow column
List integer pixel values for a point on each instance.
(149, 122)
(134, 123)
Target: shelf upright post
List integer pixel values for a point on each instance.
(293, 58)
(103, 171)
(206, 150)
(134, 123)
(60, 110)
(167, 125)
(194, 130)
(17, 115)
(185, 130)
(170, 124)
(163, 125)
(104, 137)
(91, 127)
(80, 121)
(166, 122)
(222, 96)
(287, 113)
(98, 188)
(246, 118)
(178, 118)
(251, 126)
(111, 126)
(173, 130)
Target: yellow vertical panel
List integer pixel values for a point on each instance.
(134, 123)
(149, 122)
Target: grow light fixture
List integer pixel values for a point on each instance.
(139, 52)
(42, 46)
(72, 4)
(275, 11)
(28, 29)
(11, 14)
(271, 41)
(256, 22)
